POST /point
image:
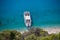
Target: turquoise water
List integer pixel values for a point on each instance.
(44, 13)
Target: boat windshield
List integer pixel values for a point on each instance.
(27, 21)
(27, 14)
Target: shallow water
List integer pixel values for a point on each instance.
(43, 13)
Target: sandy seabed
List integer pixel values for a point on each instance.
(52, 30)
(49, 30)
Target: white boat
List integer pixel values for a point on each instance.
(27, 18)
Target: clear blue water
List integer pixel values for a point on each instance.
(43, 12)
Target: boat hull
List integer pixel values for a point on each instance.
(27, 19)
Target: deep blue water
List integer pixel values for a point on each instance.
(43, 12)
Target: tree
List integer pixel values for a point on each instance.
(31, 37)
(44, 38)
(5, 35)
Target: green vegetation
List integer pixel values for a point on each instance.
(10, 35)
(33, 34)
